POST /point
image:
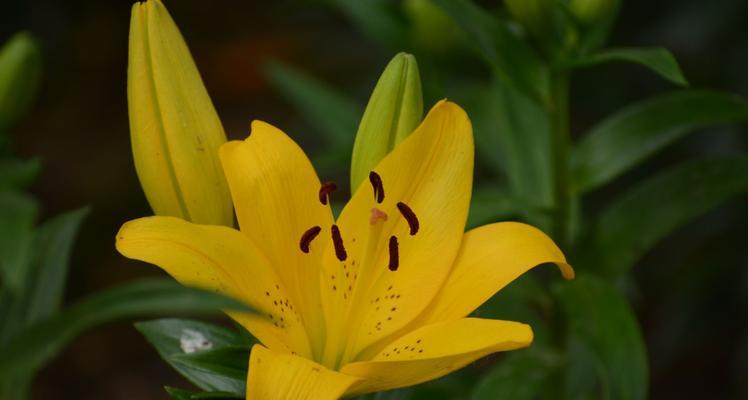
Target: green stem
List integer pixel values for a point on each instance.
(559, 112)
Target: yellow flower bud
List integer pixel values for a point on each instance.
(395, 109)
(174, 129)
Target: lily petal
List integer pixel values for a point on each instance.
(431, 172)
(491, 257)
(276, 196)
(274, 375)
(435, 350)
(221, 259)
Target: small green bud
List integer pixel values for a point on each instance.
(590, 12)
(174, 129)
(536, 16)
(20, 72)
(395, 109)
(432, 29)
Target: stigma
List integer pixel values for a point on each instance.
(376, 215)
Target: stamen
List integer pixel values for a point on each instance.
(394, 255)
(337, 241)
(409, 216)
(325, 190)
(376, 183)
(376, 215)
(307, 238)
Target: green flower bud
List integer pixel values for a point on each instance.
(590, 12)
(20, 71)
(395, 109)
(174, 129)
(536, 16)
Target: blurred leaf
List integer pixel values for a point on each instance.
(513, 60)
(519, 376)
(377, 19)
(40, 342)
(511, 133)
(52, 246)
(657, 59)
(42, 294)
(20, 73)
(18, 174)
(329, 110)
(650, 211)
(180, 394)
(489, 204)
(631, 135)
(602, 320)
(17, 214)
(48, 266)
(203, 368)
(398, 394)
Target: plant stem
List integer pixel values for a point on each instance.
(559, 113)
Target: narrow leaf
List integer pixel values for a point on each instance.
(17, 214)
(333, 113)
(376, 19)
(40, 342)
(208, 355)
(603, 322)
(650, 211)
(635, 133)
(657, 59)
(18, 174)
(512, 58)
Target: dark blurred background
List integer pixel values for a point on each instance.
(691, 291)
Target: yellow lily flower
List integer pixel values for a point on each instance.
(375, 300)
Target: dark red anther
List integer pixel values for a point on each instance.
(376, 184)
(337, 241)
(409, 216)
(307, 238)
(394, 254)
(325, 190)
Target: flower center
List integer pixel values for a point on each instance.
(376, 215)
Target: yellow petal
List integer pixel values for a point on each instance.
(174, 129)
(436, 350)
(490, 258)
(274, 376)
(221, 259)
(276, 195)
(431, 171)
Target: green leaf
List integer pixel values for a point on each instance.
(489, 204)
(377, 19)
(17, 214)
(514, 60)
(631, 135)
(48, 266)
(37, 344)
(18, 174)
(657, 59)
(222, 367)
(330, 111)
(647, 213)
(603, 322)
(180, 394)
(511, 134)
(519, 376)
(20, 73)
